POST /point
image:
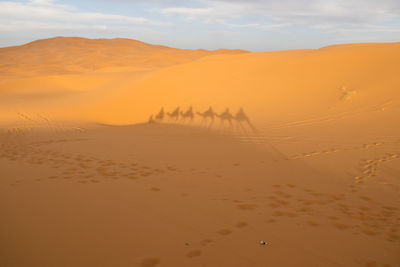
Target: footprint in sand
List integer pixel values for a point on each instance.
(365, 198)
(241, 224)
(371, 263)
(246, 206)
(155, 189)
(282, 202)
(224, 232)
(273, 205)
(171, 168)
(392, 237)
(193, 253)
(150, 262)
(334, 218)
(370, 232)
(312, 223)
(341, 226)
(206, 242)
(278, 213)
(305, 210)
(146, 174)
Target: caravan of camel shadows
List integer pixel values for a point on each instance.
(207, 118)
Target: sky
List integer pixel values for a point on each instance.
(254, 25)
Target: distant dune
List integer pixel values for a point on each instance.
(52, 65)
(65, 55)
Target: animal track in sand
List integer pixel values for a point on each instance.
(370, 166)
(335, 150)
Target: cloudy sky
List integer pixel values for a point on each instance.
(256, 25)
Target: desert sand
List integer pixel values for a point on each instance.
(86, 180)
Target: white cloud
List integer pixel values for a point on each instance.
(249, 24)
(46, 14)
(291, 13)
(189, 11)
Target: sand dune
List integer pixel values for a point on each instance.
(272, 87)
(52, 64)
(64, 55)
(86, 181)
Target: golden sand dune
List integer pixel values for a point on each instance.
(272, 86)
(314, 173)
(45, 64)
(62, 55)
